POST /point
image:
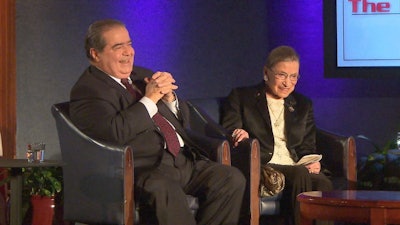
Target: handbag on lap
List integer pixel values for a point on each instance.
(272, 181)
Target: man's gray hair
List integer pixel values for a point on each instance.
(94, 36)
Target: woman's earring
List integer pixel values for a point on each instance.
(265, 78)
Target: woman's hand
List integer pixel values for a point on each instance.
(238, 135)
(314, 167)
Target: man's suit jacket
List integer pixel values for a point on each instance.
(247, 108)
(103, 109)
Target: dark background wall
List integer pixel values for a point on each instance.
(209, 46)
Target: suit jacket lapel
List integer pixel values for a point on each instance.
(170, 116)
(111, 82)
(140, 84)
(261, 104)
(290, 113)
(290, 121)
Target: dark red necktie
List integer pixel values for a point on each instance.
(130, 88)
(166, 128)
(169, 134)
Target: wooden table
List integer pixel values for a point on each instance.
(373, 207)
(16, 183)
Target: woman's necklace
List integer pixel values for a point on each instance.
(277, 118)
(274, 107)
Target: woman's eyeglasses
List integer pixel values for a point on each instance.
(284, 76)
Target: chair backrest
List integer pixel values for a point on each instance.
(212, 106)
(98, 176)
(339, 157)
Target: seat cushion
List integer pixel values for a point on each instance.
(270, 205)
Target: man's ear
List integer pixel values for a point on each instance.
(94, 54)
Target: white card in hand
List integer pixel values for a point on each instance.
(307, 159)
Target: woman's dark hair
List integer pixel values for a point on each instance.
(281, 54)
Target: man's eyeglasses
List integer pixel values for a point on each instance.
(284, 76)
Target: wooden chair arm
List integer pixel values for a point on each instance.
(129, 200)
(249, 149)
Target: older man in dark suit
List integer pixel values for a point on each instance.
(109, 103)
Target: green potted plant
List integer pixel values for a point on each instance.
(379, 170)
(4, 179)
(41, 185)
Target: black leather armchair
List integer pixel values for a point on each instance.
(339, 158)
(99, 177)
